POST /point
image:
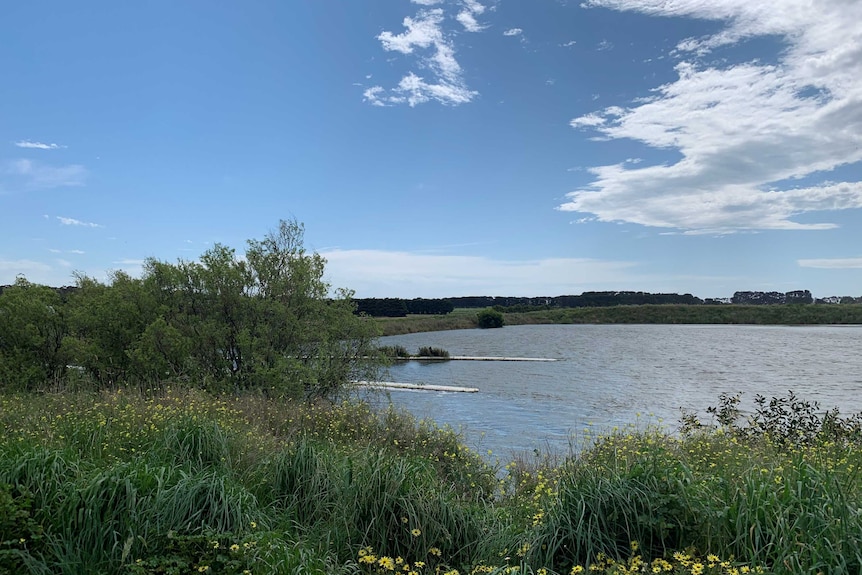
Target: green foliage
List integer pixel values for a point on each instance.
(188, 482)
(787, 421)
(429, 351)
(394, 351)
(265, 321)
(32, 329)
(490, 318)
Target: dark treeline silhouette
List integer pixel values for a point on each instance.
(397, 307)
(771, 297)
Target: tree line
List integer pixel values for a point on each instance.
(397, 307)
(264, 321)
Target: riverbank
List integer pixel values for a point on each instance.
(187, 482)
(813, 314)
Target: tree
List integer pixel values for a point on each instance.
(32, 329)
(265, 321)
(105, 320)
(490, 318)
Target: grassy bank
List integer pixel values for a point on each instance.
(645, 314)
(186, 482)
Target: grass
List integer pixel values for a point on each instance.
(463, 318)
(186, 482)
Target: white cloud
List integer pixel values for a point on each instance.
(832, 263)
(74, 222)
(467, 16)
(513, 32)
(375, 273)
(424, 38)
(568, 44)
(743, 130)
(38, 145)
(26, 175)
(468, 20)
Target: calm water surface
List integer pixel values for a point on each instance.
(612, 375)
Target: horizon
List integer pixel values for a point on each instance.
(433, 147)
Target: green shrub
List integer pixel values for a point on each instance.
(428, 351)
(490, 318)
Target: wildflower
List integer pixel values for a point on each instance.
(387, 563)
(435, 551)
(253, 525)
(576, 569)
(215, 544)
(416, 533)
(635, 545)
(203, 568)
(234, 547)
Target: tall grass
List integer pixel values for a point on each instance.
(187, 483)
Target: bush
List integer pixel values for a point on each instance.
(428, 351)
(489, 318)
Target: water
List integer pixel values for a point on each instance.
(613, 375)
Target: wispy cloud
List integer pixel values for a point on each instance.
(11, 268)
(38, 145)
(743, 129)
(383, 273)
(27, 175)
(424, 39)
(513, 32)
(74, 222)
(832, 263)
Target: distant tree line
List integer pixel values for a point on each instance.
(265, 321)
(397, 307)
(772, 297)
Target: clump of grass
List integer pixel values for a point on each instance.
(428, 351)
(394, 351)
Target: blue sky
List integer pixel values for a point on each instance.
(441, 147)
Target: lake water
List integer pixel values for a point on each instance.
(613, 375)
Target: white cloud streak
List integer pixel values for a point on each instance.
(38, 145)
(376, 273)
(27, 175)
(832, 263)
(424, 38)
(74, 222)
(743, 129)
(513, 32)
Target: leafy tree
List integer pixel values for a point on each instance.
(490, 318)
(265, 321)
(32, 328)
(105, 321)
